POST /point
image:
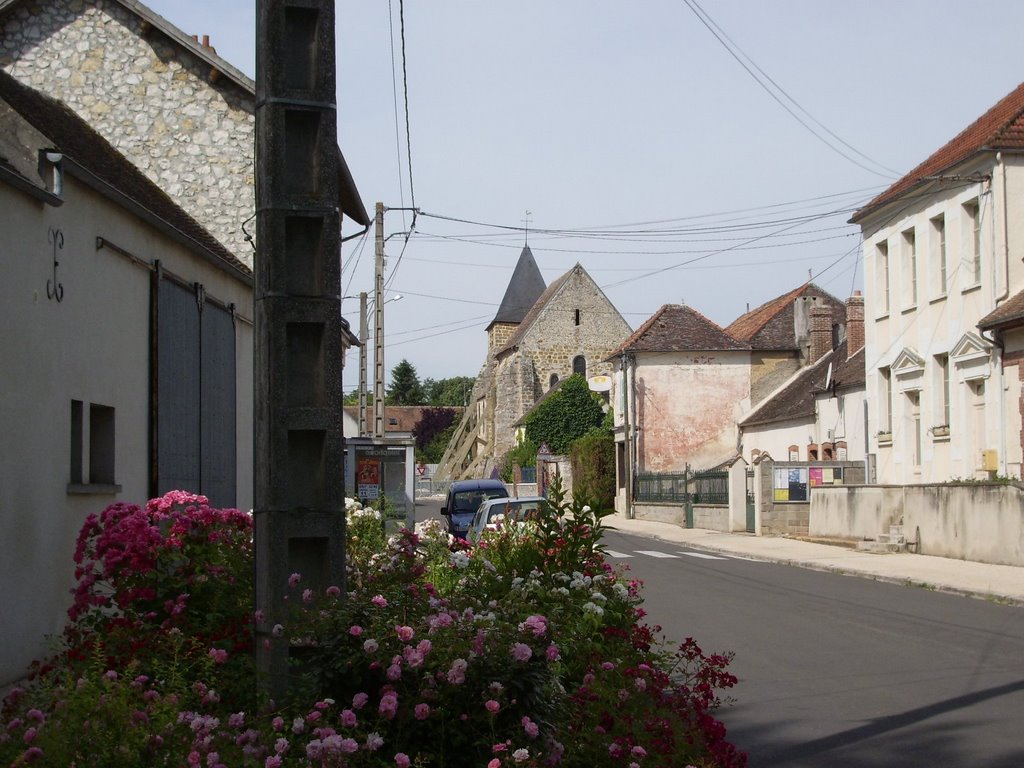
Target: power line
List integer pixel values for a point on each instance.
(714, 29)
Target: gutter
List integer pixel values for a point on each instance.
(19, 182)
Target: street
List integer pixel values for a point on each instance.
(841, 671)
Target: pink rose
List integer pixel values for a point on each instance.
(492, 706)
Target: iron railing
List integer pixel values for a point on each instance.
(706, 487)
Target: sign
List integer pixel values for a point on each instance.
(368, 477)
(600, 383)
(421, 469)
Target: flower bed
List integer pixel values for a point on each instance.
(526, 650)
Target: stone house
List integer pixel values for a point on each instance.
(166, 101)
(126, 337)
(944, 272)
(682, 384)
(539, 336)
(818, 415)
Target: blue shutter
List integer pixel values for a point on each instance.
(178, 389)
(217, 469)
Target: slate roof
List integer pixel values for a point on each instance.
(81, 145)
(526, 286)
(1008, 314)
(1000, 128)
(796, 399)
(678, 328)
(770, 326)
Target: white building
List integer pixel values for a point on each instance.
(126, 339)
(943, 250)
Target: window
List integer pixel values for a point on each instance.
(883, 274)
(552, 381)
(910, 259)
(579, 365)
(939, 251)
(95, 446)
(972, 213)
(914, 416)
(942, 374)
(885, 400)
(577, 317)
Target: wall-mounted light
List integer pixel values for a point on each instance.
(54, 158)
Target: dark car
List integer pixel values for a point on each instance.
(464, 498)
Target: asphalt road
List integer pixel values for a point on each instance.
(837, 670)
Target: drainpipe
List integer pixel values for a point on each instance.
(628, 426)
(1006, 236)
(997, 338)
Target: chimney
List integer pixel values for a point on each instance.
(854, 323)
(821, 333)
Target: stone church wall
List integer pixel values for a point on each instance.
(151, 100)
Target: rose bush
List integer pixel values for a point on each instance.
(526, 650)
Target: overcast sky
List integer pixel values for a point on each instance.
(642, 147)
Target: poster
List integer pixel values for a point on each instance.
(368, 477)
(826, 475)
(798, 484)
(817, 476)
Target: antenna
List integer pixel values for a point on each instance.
(829, 384)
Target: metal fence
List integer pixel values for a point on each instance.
(707, 487)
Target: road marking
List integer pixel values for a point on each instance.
(613, 553)
(703, 556)
(654, 553)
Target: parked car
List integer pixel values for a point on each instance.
(464, 499)
(496, 512)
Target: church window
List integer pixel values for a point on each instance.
(579, 365)
(552, 381)
(577, 317)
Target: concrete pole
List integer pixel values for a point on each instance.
(378, 330)
(299, 497)
(362, 364)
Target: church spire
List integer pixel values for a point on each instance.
(525, 287)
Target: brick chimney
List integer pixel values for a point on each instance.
(854, 324)
(821, 333)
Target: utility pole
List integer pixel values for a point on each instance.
(362, 364)
(378, 321)
(299, 499)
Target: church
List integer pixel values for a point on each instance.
(540, 335)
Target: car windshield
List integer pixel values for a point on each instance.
(470, 501)
(513, 510)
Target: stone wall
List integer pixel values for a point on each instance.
(150, 98)
(556, 338)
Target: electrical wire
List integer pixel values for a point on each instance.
(715, 29)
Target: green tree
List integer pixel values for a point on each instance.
(593, 468)
(405, 386)
(452, 392)
(568, 413)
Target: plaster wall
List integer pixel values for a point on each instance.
(984, 523)
(769, 371)
(983, 406)
(688, 405)
(92, 346)
(189, 132)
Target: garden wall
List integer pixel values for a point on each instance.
(980, 522)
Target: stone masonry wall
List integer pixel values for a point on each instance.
(150, 99)
(555, 339)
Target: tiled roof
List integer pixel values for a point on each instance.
(1001, 127)
(770, 326)
(678, 328)
(398, 418)
(796, 399)
(524, 288)
(80, 144)
(1009, 313)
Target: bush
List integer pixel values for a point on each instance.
(593, 468)
(524, 651)
(566, 414)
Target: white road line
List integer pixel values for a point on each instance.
(613, 553)
(703, 556)
(654, 553)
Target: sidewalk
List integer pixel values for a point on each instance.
(1004, 583)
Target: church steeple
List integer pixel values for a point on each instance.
(525, 287)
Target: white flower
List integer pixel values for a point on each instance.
(598, 597)
(459, 559)
(620, 590)
(521, 755)
(594, 609)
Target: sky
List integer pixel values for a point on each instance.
(706, 152)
